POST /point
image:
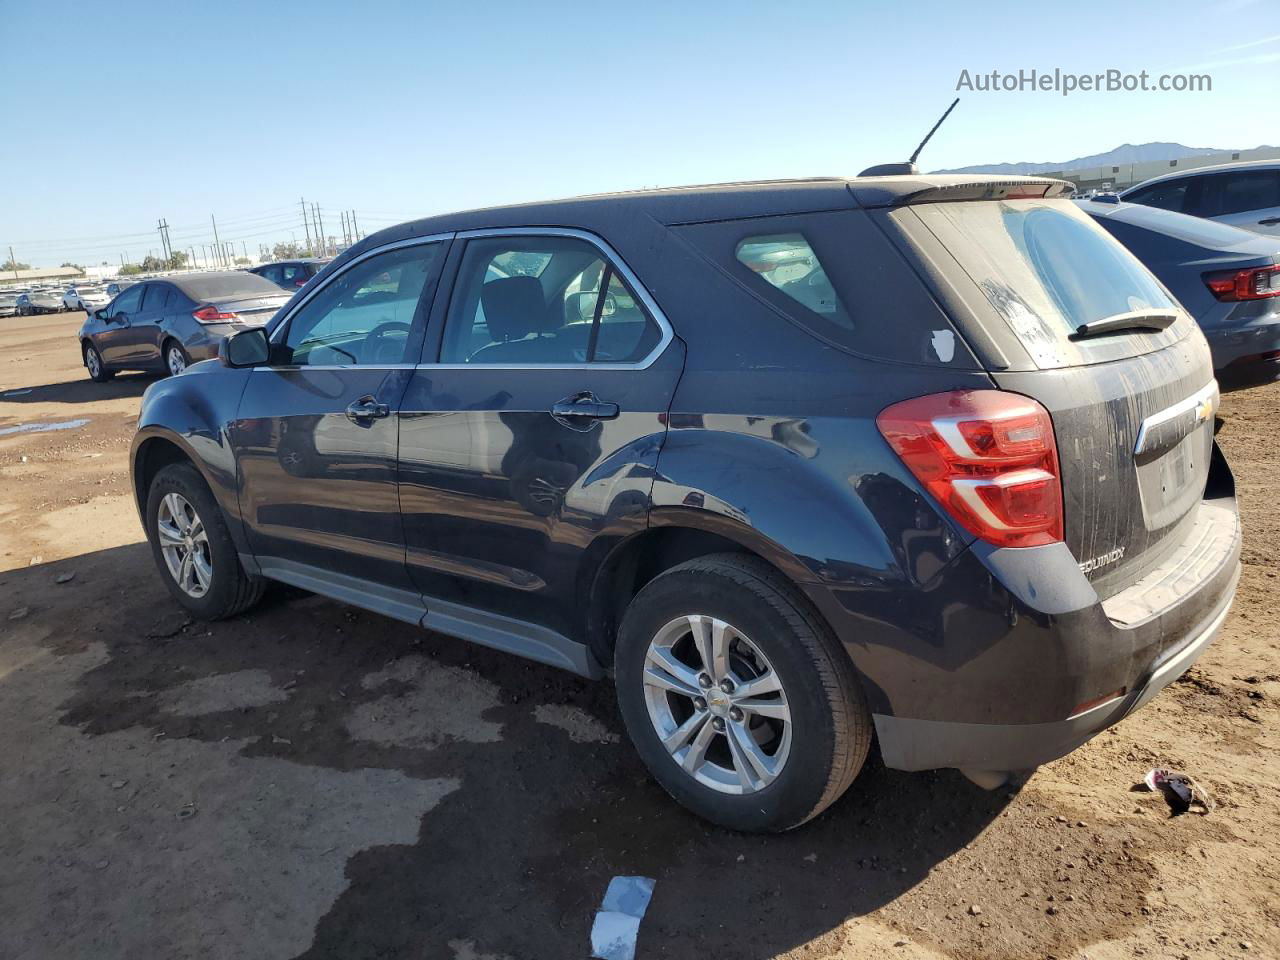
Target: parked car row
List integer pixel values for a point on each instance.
(924, 458)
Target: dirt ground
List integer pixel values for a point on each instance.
(311, 780)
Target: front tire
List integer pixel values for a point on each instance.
(737, 697)
(193, 549)
(98, 371)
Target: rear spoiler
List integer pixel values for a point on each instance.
(899, 191)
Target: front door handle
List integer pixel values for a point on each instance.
(366, 409)
(1269, 222)
(582, 409)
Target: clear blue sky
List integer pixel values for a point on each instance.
(119, 113)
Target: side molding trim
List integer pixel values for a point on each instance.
(529, 640)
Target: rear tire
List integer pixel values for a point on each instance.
(782, 702)
(183, 521)
(98, 371)
(175, 358)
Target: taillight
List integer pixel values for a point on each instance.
(300, 282)
(1256, 284)
(988, 457)
(211, 314)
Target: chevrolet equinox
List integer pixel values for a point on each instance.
(924, 458)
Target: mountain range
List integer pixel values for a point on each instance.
(1122, 155)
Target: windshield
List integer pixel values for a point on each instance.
(1046, 268)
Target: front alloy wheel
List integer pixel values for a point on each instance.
(184, 543)
(717, 704)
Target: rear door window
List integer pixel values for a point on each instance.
(1240, 192)
(545, 301)
(1046, 269)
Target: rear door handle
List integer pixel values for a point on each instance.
(1269, 222)
(367, 408)
(582, 409)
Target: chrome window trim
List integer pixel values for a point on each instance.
(618, 264)
(375, 251)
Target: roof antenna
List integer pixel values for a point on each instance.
(909, 168)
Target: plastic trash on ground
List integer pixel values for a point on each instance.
(613, 935)
(1180, 790)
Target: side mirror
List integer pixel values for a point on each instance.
(245, 348)
(100, 314)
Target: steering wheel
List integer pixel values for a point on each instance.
(375, 345)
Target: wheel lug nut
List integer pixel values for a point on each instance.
(704, 681)
(700, 703)
(735, 715)
(726, 685)
(718, 724)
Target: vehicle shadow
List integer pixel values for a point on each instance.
(517, 857)
(80, 391)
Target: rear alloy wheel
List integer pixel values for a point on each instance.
(736, 695)
(175, 359)
(98, 371)
(718, 704)
(193, 548)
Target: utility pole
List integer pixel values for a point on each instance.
(13, 263)
(306, 223)
(355, 231)
(214, 221)
(320, 230)
(193, 257)
(245, 247)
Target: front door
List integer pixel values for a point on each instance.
(535, 436)
(316, 431)
(115, 343)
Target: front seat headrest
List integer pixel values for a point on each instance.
(513, 307)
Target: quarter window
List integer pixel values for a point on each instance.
(787, 262)
(366, 314)
(552, 301)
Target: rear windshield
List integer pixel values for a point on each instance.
(1047, 268)
(227, 287)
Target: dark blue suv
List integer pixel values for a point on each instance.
(924, 458)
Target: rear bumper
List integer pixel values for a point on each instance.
(989, 752)
(1241, 347)
(1008, 659)
(1249, 372)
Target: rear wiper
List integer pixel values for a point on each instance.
(1132, 320)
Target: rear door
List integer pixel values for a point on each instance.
(145, 332)
(316, 433)
(1132, 410)
(1249, 199)
(531, 434)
